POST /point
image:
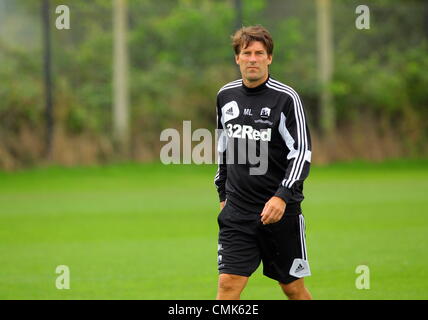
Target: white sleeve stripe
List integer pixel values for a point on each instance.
(279, 84)
(303, 238)
(233, 84)
(230, 87)
(221, 147)
(286, 182)
(298, 163)
(217, 176)
(302, 148)
(294, 174)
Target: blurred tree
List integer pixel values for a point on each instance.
(239, 22)
(120, 77)
(238, 14)
(180, 55)
(47, 59)
(426, 18)
(325, 66)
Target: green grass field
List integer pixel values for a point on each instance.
(149, 231)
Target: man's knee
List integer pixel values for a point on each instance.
(296, 290)
(290, 289)
(231, 283)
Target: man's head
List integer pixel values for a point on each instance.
(253, 48)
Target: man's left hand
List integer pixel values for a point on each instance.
(273, 211)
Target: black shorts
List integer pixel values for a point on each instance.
(244, 242)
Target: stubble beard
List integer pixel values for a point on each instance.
(254, 77)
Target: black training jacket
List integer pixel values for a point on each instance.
(265, 124)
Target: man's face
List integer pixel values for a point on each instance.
(254, 61)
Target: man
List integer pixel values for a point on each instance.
(261, 218)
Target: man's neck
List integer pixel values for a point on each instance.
(253, 84)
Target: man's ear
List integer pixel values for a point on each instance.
(270, 57)
(237, 58)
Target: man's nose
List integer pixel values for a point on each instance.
(253, 57)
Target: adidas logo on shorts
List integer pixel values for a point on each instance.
(299, 268)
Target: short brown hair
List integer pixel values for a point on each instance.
(244, 36)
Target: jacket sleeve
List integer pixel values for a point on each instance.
(295, 132)
(221, 174)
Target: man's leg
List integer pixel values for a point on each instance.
(230, 286)
(296, 290)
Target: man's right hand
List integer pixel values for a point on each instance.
(222, 205)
